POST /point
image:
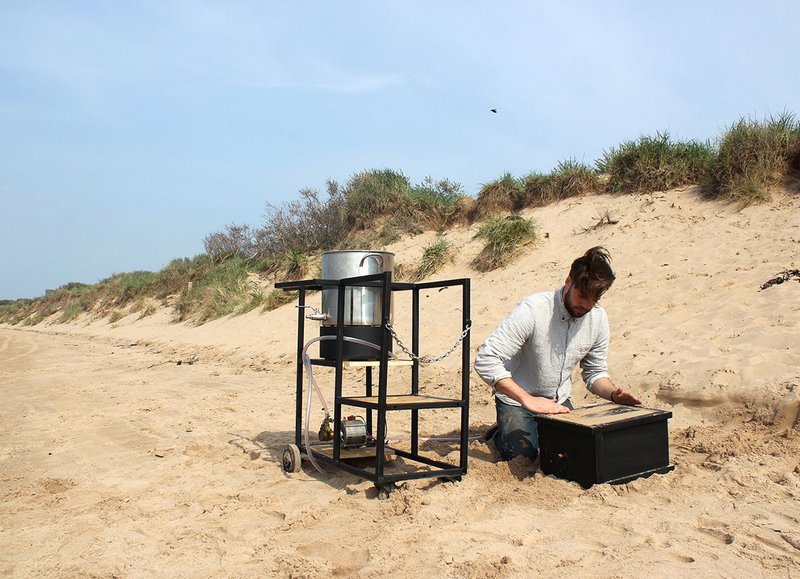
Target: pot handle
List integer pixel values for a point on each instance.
(378, 256)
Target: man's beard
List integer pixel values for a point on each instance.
(570, 308)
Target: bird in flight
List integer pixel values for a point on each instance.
(493, 110)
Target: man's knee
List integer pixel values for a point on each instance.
(515, 443)
(516, 432)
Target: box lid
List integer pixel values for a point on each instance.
(604, 416)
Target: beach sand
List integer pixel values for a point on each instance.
(147, 447)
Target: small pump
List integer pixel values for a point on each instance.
(353, 432)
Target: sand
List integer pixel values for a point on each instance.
(146, 447)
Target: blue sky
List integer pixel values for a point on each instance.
(131, 130)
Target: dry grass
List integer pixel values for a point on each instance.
(655, 164)
(378, 207)
(753, 157)
(504, 239)
(434, 257)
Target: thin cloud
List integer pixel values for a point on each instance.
(170, 51)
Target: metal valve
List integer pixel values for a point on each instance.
(316, 315)
(326, 428)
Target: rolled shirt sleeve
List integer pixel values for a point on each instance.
(492, 359)
(594, 364)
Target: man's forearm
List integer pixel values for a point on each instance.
(513, 390)
(532, 403)
(603, 387)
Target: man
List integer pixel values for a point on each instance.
(530, 357)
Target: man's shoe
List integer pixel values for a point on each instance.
(489, 434)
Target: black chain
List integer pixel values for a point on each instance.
(425, 360)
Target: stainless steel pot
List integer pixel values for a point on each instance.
(362, 305)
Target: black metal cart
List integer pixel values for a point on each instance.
(372, 462)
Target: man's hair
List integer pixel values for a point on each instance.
(591, 273)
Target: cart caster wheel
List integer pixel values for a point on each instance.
(451, 479)
(384, 491)
(291, 458)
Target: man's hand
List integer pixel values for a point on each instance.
(605, 388)
(543, 405)
(620, 396)
(535, 404)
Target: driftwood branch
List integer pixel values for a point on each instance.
(605, 219)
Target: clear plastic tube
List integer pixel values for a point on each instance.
(312, 385)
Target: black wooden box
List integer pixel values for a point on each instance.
(604, 443)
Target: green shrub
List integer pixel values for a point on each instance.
(133, 285)
(655, 164)
(383, 205)
(40, 312)
(296, 264)
(149, 310)
(753, 156)
(572, 178)
(569, 179)
(116, 316)
(73, 286)
(136, 281)
(497, 196)
(276, 298)
(267, 265)
(376, 206)
(216, 301)
(504, 238)
(35, 319)
(373, 194)
(11, 311)
(176, 276)
(437, 204)
(71, 299)
(430, 194)
(71, 312)
(224, 289)
(434, 257)
(256, 299)
(536, 191)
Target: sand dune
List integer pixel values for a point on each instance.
(151, 448)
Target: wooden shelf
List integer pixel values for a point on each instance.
(375, 363)
(359, 363)
(402, 402)
(351, 453)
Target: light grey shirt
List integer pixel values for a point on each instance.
(539, 345)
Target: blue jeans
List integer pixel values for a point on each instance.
(516, 431)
